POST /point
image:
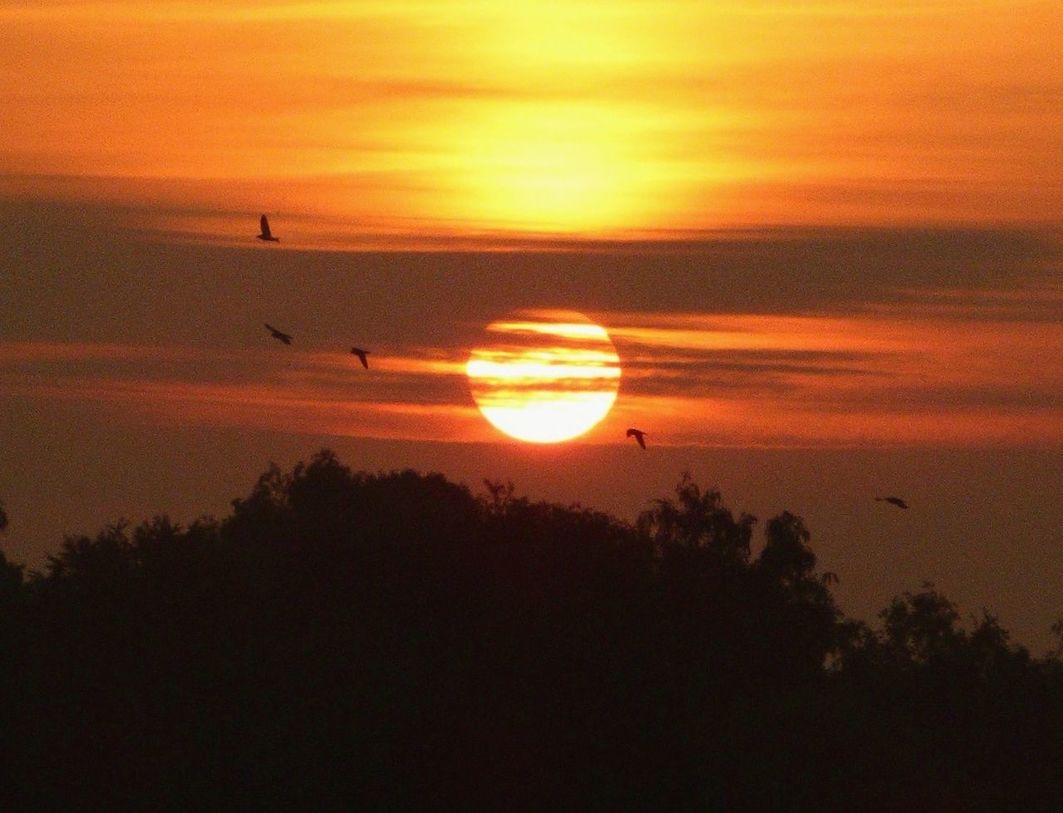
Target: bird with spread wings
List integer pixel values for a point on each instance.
(357, 351)
(893, 501)
(279, 335)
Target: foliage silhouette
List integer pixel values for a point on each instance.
(394, 641)
(10, 573)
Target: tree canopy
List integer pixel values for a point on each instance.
(393, 640)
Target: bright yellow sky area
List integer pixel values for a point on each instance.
(545, 117)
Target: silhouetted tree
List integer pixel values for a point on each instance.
(699, 521)
(1057, 630)
(10, 574)
(391, 640)
(10, 579)
(786, 557)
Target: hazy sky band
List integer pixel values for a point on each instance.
(732, 378)
(606, 119)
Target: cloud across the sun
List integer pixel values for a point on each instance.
(881, 378)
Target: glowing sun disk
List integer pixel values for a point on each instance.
(531, 388)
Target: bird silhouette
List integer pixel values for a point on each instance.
(638, 435)
(266, 235)
(361, 355)
(893, 500)
(279, 335)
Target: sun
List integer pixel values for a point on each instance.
(544, 376)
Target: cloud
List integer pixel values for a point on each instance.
(729, 337)
(887, 376)
(570, 118)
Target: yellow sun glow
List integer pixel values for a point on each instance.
(544, 377)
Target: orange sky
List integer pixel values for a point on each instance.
(824, 237)
(885, 378)
(357, 119)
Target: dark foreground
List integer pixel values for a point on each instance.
(393, 642)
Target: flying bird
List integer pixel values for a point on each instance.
(638, 435)
(361, 355)
(266, 234)
(279, 335)
(894, 501)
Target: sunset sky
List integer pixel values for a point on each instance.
(824, 240)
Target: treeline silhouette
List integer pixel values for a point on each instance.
(393, 641)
